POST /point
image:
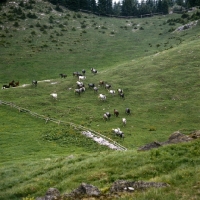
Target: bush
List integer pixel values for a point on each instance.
(33, 33)
(152, 128)
(16, 24)
(32, 15)
(58, 8)
(185, 15)
(23, 16)
(171, 30)
(78, 15)
(83, 26)
(21, 3)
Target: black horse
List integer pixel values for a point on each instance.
(5, 86)
(63, 75)
(34, 83)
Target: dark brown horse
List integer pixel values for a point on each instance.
(116, 112)
(12, 83)
(16, 84)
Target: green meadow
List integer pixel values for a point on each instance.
(156, 66)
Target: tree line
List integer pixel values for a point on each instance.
(124, 7)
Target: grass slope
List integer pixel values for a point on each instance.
(158, 71)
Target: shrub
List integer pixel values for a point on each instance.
(29, 6)
(51, 19)
(83, 26)
(23, 16)
(16, 24)
(185, 15)
(152, 128)
(171, 30)
(21, 3)
(32, 15)
(78, 15)
(103, 27)
(38, 24)
(33, 33)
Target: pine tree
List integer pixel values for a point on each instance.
(117, 9)
(165, 7)
(92, 5)
(102, 6)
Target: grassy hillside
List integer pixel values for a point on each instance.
(157, 68)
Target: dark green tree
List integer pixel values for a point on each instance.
(102, 6)
(109, 9)
(84, 4)
(127, 7)
(159, 6)
(73, 4)
(165, 7)
(117, 8)
(92, 5)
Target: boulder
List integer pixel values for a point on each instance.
(51, 194)
(84, 190)
(130, 186)
(176, 137)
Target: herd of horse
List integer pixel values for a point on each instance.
(11, 84)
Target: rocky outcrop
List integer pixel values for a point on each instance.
(176, 137)
(187, 26)
(130, 186)
(83, 190)
(51, 194)
(87, 191)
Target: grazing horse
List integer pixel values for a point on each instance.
(77, 74)
(81, 78)
(120, 91)
(118, 132)
(94, 71)
(83, 72)
(95, 89)
(122, 95)
(34, 83)
(116, 112)
(128, 111)
(16, 84)
(78, 91)
(12, 83)
(54, 95)
(101, 83)
(106, 116)
(124, 121)
(63, 75)
(102, 97)
(107, 86)
(5, 86)
(91, 85)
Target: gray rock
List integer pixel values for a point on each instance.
(51, 194)
(84, 190)
(123, 185)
